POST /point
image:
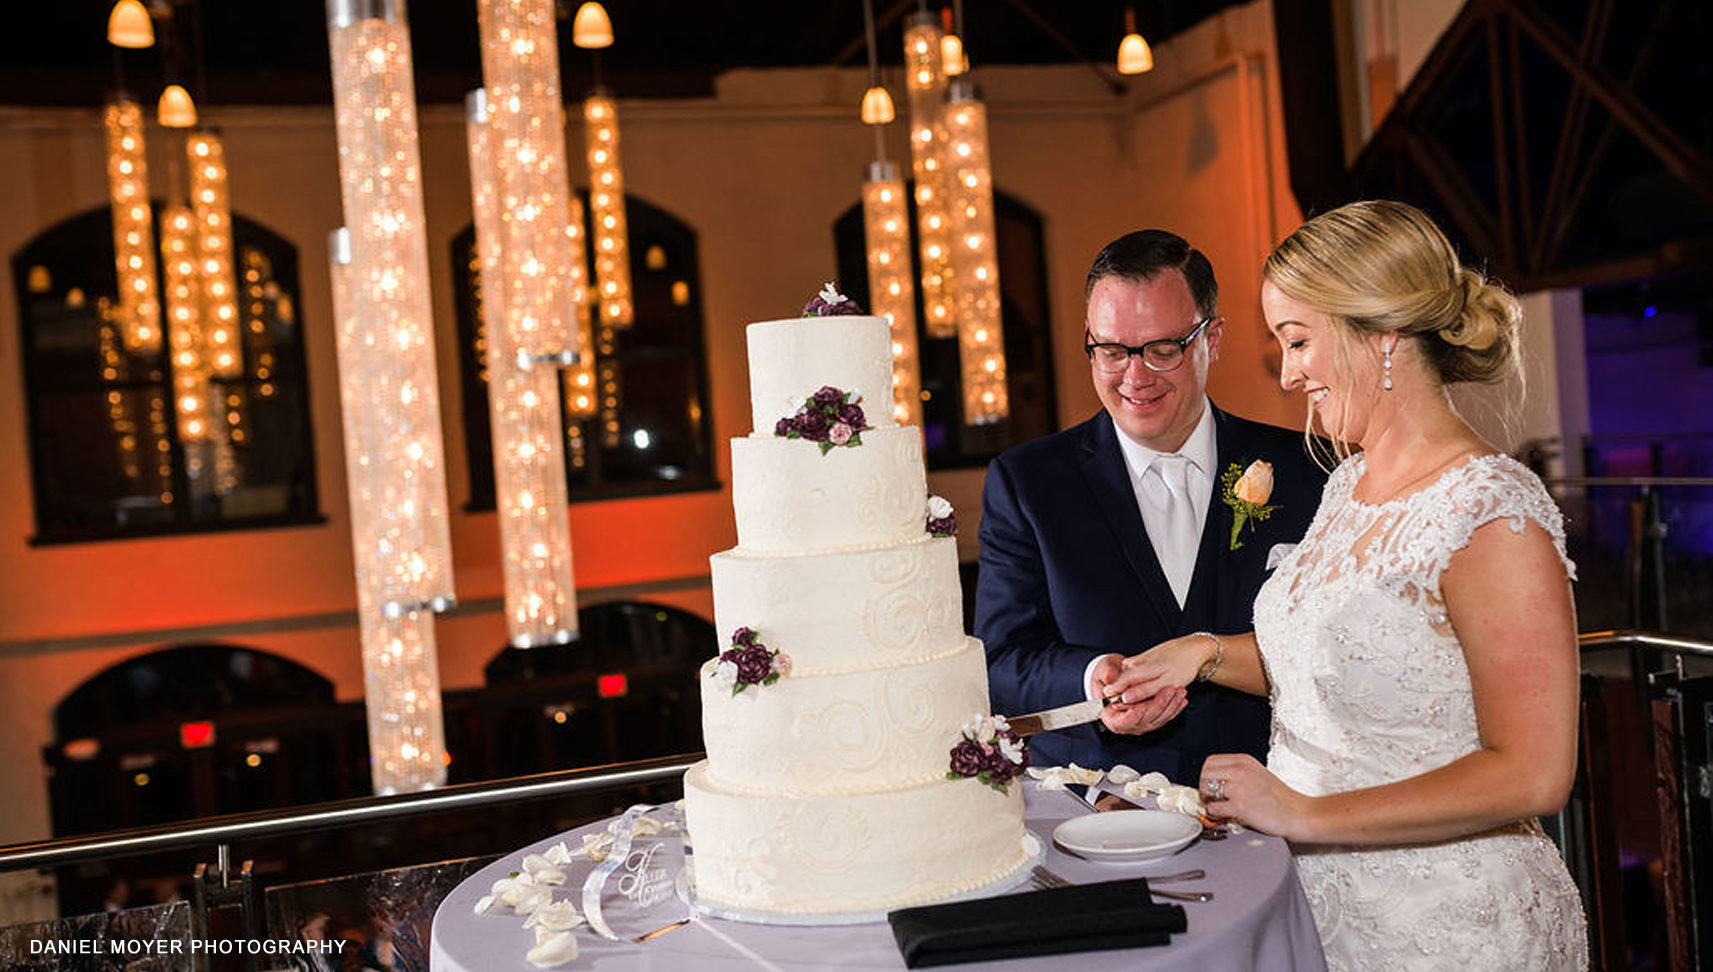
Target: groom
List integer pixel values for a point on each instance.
(1116, 534)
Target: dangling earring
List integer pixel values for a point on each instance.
(1386, 363)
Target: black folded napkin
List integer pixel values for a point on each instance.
(1080, 918)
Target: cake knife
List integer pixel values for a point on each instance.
(1062, 717)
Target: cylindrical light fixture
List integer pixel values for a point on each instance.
(129, 25)
(401, 677)
(139, 310)
(184, 317)
(981, 338)
(891, 292)
(925, 79)
(175, 109)
(523, 406)
(591, 28)
(386, 338)
(607, 207)
(526, 119)
(210, 205)
(1134, 54)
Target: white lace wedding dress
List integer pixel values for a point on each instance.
(1369, 686)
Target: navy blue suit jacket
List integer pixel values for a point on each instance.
(1068, 573)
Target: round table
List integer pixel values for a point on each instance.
(1258, 920)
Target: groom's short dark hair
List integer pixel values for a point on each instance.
(1142, 255)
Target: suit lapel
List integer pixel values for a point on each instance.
(1109, 480)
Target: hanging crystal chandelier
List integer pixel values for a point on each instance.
(925, 80)
(211, 209)
(139, 309)
(389, 390)
(523, 397)
(975, 261)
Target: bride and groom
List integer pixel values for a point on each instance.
(1409, 618)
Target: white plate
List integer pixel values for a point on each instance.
(1127, 835)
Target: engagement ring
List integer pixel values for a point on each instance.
(1216, 789)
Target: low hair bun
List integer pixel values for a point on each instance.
(1483, 334)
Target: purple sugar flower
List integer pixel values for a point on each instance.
(754, 664)
(813, 425)
(850, 413)
(784, 427)
(744, 636)
(828, 396)
(830, 303)
(944, 527)
(967, 758)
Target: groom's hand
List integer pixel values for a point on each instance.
(1146, 715)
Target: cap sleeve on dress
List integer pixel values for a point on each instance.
(1500, 488)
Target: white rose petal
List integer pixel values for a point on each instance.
(1122, 774)
(485, 904)
(1085, 777)
(1155, 781)
(559, 855)
(552, 948)
(534, 899)
(542, 871)
(557, 916)
(646, 827)
(1135, 790)
(1059, 777)
(595, 845)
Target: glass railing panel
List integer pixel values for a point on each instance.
(156, 938)
(377, 920)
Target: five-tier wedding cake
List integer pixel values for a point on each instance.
(830, 720)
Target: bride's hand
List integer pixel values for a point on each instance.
(1171, 664)
(1237, 787)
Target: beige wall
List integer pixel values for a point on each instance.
(760, 171)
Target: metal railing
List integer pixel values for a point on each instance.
(222, 832)
(1673, 706)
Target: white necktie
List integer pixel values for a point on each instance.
(1177, 542)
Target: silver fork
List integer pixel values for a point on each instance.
(1043, 878)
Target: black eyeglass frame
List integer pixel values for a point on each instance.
(1141, 350)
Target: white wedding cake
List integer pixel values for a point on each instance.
(830, 721)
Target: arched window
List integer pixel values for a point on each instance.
(950, 444)
(106, 457)
(661, 437)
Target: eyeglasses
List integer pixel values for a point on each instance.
(1162, 355)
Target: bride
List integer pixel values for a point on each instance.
(1419, 645)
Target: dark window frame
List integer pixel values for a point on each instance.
(642, 218)
(81, 246)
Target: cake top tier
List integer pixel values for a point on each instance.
(791, 360)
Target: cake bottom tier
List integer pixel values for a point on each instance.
(850, 852)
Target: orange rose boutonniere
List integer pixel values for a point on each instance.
(1246, 491)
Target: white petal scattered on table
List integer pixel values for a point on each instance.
(1122, 774)
(485, 904)
(552, 948)
(558, 916)
(1059, 777)
(559, 855)
(542, 871)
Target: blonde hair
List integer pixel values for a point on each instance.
(1379, 267)
(1382, 267)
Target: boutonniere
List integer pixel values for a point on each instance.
(1246, 491)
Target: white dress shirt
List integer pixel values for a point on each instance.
(1202, 451)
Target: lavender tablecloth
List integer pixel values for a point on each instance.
(1259, 920)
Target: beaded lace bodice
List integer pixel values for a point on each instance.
(1369, 686)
